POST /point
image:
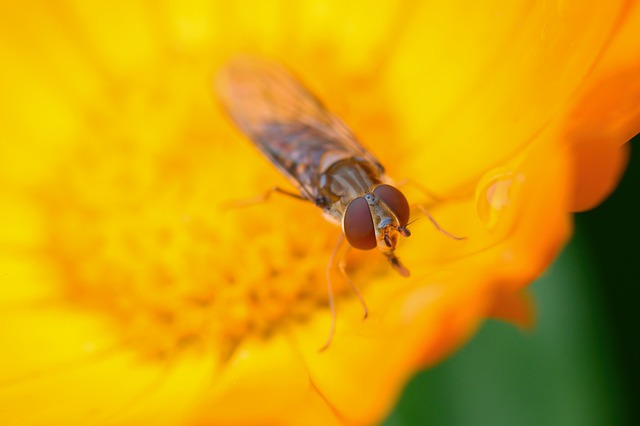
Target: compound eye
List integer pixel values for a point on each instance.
(396, 201)
(358, 225)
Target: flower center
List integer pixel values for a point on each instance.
(139, 231)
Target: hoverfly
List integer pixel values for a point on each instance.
(319, 155)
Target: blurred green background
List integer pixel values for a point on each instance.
(580, 365)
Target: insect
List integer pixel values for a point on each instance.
(319, 155)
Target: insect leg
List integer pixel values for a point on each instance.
(332, 302)
(419, 187)
(423, 209)
(262, 198)
(342, 264)
(435, 224)
(283, 192)
(342, 267)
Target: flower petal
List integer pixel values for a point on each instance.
(423, 316)
(265, 382)
(500, 82)
(79, 361)
(605, 113)
(489, 121)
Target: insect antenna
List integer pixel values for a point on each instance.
(404, 230)
(413, 221)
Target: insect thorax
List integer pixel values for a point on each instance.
(343, 181)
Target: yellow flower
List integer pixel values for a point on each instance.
(130, 296)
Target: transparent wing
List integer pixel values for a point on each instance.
(286, 121)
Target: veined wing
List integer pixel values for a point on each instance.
(287, 122)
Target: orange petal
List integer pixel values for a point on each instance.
(605, 113)
(468, 106)
(79, 375)
(516, 308)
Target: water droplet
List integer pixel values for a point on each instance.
(494, 194)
